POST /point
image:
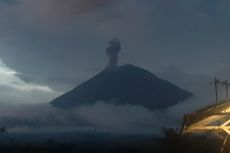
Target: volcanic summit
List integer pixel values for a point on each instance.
(127, 84)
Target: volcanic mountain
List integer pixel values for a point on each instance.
(126, 84)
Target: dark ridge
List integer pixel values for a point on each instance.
(127, 84)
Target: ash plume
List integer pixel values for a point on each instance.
(112, 51)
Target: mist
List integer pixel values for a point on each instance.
(101, 116)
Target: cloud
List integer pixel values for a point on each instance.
(61, 43)
(14, 89)
(100, 116)
(9, 78)
(53, 45)
(53, 12)
(8, 1)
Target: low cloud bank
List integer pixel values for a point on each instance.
(99, 116)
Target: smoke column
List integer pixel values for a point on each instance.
(112, 51)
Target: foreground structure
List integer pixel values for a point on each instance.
(212, 118)
(215, 118)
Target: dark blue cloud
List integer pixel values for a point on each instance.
(8, 1)
(191, 35)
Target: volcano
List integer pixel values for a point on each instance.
(123, 85)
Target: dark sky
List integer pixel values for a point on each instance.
(49, 46)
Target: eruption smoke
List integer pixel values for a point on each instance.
(112, 51)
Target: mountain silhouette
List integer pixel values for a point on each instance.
(126, 84)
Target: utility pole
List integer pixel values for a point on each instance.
(216, 82)
(226, 84)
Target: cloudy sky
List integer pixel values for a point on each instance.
(50, 46)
